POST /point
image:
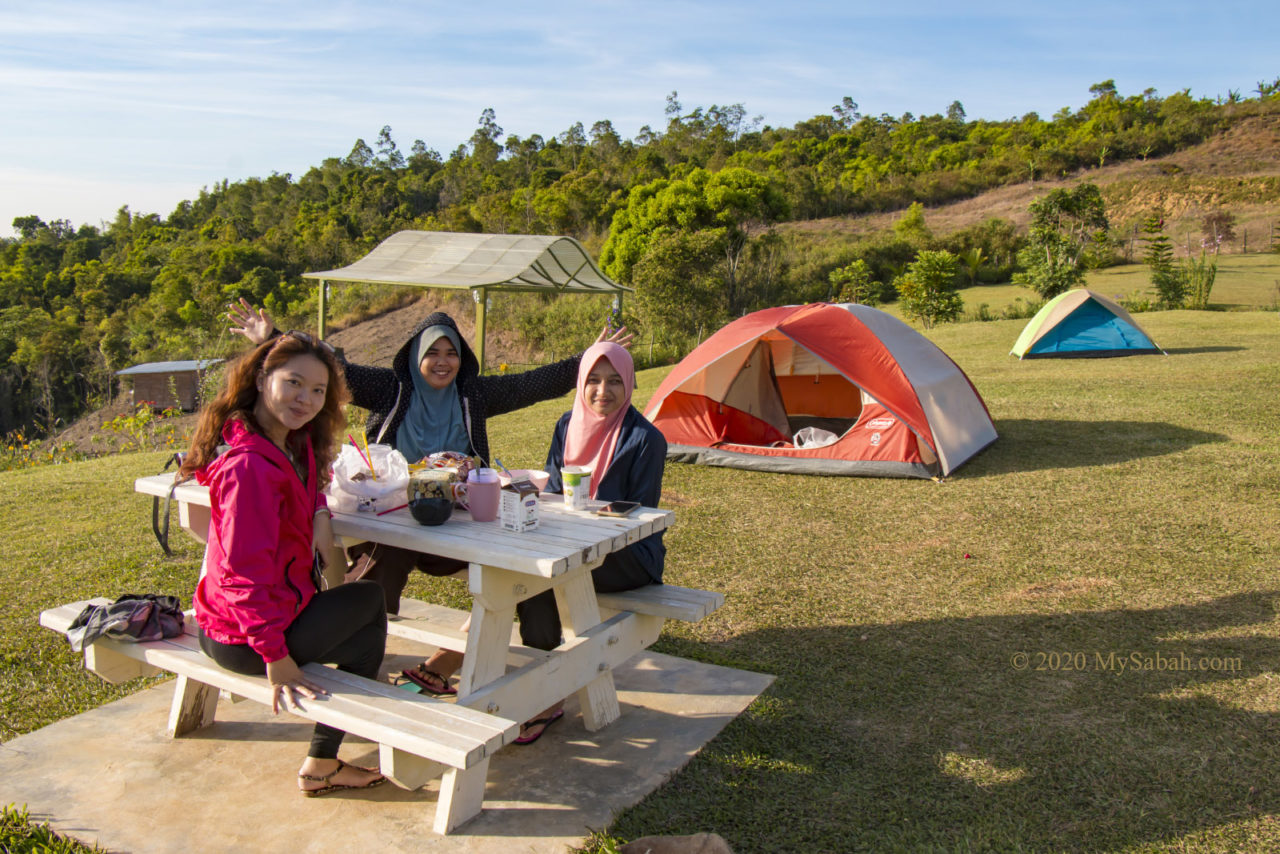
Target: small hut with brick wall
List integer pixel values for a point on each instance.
(165, 384)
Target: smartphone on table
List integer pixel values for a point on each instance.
(618, 508)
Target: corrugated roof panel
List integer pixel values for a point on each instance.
(169, 367)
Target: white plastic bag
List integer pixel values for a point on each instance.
(352, 489)
(814, 437)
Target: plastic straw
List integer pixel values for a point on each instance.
(392, 510)
(363, 456)
(368, 458)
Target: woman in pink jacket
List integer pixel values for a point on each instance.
(264, 447)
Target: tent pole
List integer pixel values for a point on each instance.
(324, 287)
(481, 298)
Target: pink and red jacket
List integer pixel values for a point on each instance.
(259, 559)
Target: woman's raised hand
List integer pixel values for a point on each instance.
(286, 677)
(621, 337)
(253, 323)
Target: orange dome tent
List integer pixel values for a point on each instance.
(821, 389)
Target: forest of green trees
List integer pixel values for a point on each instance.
(685, 214)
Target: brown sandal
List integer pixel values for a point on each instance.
(336, 787)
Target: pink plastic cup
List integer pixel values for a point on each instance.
(483, 494)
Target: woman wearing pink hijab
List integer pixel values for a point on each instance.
(626, 454)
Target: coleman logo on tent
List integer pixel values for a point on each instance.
(879, 424)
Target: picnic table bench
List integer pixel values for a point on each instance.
(419, 737)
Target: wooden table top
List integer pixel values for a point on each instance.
(563, 540)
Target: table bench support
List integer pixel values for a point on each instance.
(114, 667)
(194, 706)
(461, 796)
(406, 770)
(195, 520)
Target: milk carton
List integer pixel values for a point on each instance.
(518, 508)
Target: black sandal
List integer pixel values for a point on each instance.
(336, 787)
(545, 723)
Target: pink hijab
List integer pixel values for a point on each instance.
(591, 439)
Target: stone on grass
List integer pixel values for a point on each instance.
(698, 843)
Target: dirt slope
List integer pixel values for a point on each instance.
(1238, 170)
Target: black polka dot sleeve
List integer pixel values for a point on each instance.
(508, 393)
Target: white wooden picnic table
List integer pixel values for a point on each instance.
(504, 568)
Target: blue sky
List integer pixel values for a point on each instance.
(104, 103)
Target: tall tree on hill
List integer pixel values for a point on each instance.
(734, 206)
(1170, 284)
(846, 112)
(1065, 226)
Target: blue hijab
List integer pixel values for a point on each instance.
(434, 420)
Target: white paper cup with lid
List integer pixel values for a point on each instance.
(577, 486)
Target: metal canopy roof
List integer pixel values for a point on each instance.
(506, 262)
(168, 367)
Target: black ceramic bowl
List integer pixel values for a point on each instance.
(431, 511)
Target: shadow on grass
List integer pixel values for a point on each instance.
(1186, 351)
(1032, 445)
(1002, 733)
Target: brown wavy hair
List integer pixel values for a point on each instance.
(239, 394)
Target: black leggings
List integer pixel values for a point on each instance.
(540, 618)
(346, 626)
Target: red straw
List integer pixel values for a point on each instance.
(392, 510)
(360, 452)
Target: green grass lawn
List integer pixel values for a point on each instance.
(1243, 283)
(947, 653)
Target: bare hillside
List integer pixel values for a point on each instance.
(1238, 170)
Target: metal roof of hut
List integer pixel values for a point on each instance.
(168, 367)
(479, 263)
(164, 384)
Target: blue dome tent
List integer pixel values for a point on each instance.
(1082, 324)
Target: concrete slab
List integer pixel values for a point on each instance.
(113, 777)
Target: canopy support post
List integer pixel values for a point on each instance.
(324, 289)
(482, 298)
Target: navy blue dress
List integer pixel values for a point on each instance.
(634, 474)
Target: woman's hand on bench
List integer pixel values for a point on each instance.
(286, 677)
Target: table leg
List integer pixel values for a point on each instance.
(576, 599)
(487, 642)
